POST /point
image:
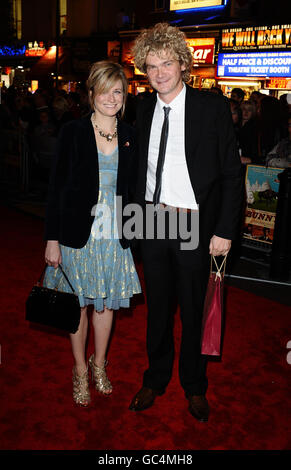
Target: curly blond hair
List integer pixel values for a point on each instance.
(163, 37)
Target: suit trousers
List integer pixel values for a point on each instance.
(173, 275)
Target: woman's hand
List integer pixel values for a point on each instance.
(53, 255)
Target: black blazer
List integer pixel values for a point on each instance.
(212, 159)
(74, 182)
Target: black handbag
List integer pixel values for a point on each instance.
(50, 307)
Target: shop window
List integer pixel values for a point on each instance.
(63, 16)
(17, 18)
(207, 82)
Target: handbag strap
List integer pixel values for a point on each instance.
(66, 277)
(223, 264)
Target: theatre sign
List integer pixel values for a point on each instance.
(259, 51)
(254, 64)
(189, 5)
(257, 38)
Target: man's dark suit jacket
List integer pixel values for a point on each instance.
(74, 183)
(212, 159)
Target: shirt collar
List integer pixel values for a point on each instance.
(176, 103)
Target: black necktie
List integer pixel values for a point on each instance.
(161, 158)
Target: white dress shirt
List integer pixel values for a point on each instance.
(176, 189)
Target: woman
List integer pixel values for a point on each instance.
(95, 160)
(248, 134)
(236, 115)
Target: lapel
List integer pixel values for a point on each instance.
(193, 122)
(144, 130)
(89, 143)
(147, 118)
(123, 138)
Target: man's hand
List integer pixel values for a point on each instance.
(219, 246)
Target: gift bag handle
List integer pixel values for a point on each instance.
(223, 264)
(66, 277)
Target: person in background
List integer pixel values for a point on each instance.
(84, 105)
(268, 126)
(43, 137)
(237, 94)
(248, 134)
(285, 110)
(61, 112)
(94, 163)
(5, 114)
(217, 90)
(257, 97)
(280, 155)
(236, 115)
(74, 104)
(40, 101)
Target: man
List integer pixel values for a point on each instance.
(200, 168)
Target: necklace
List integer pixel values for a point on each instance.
(109, 137)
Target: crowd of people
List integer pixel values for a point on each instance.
(38, 118)
(262, 123)
(263, 127)
(42, 114)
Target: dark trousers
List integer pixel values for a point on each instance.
(182, 275)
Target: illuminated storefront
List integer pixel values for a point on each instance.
(34, 64)
(16, 62)
(120, 51)
(281, 85)
(203, 50)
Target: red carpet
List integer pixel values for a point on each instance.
(249, 389)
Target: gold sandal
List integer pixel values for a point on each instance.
(81, 393)
(99, 376)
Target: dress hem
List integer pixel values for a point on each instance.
(101, 303)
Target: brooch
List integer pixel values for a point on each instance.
(126, 144)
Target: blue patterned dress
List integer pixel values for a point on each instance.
(102, 272)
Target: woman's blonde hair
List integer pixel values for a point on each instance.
(102, 77)
(163, 37)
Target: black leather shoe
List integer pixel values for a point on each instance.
(198, 407)
(144, 398)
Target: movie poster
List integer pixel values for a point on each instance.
(262, 188)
